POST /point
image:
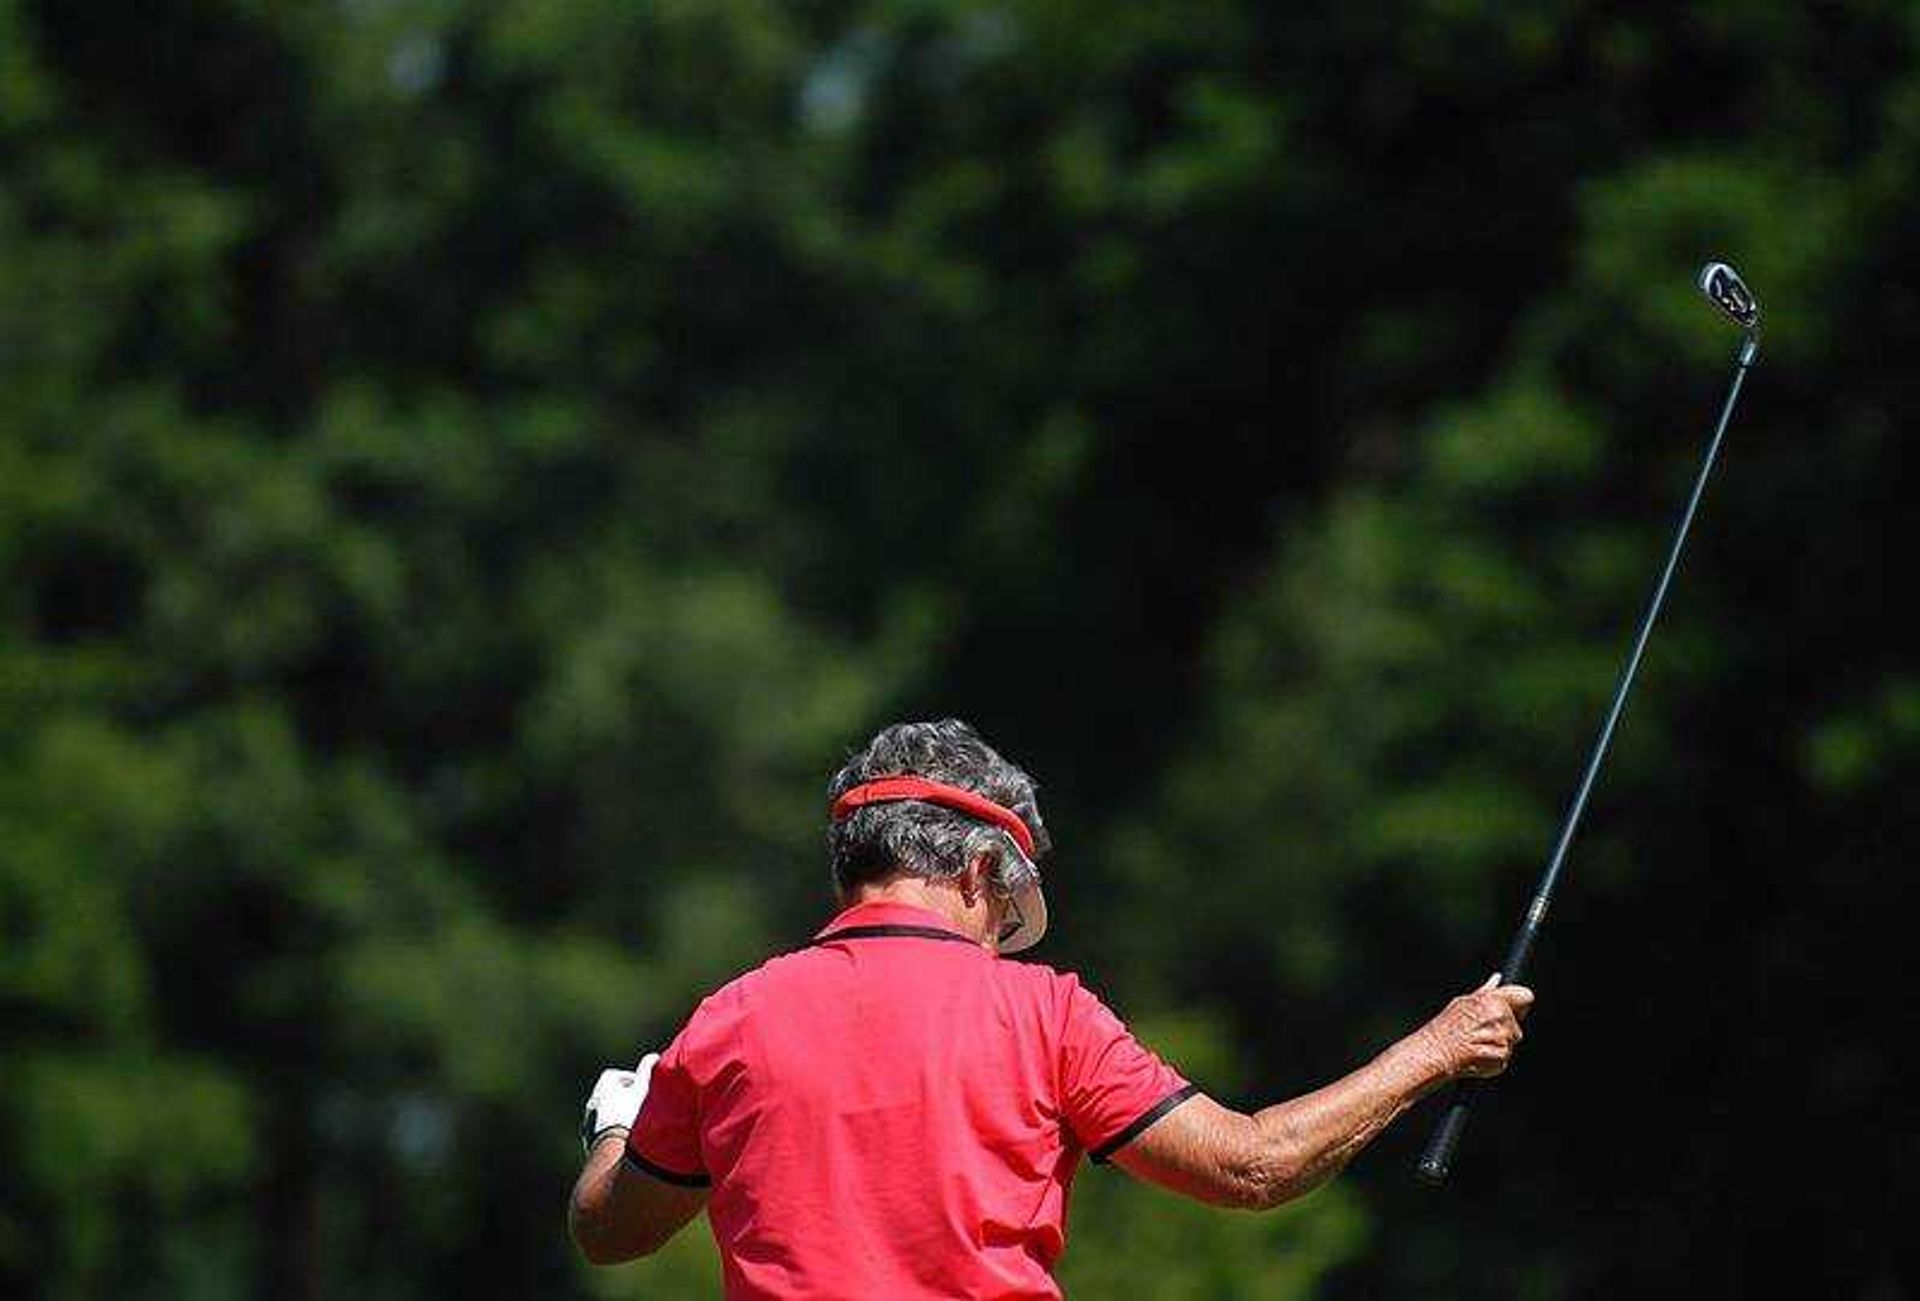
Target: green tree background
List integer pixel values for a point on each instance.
(469, 471)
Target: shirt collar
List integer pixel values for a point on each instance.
(880, 912)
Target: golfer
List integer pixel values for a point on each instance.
(895, 1111)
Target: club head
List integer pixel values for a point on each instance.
(1727, 291)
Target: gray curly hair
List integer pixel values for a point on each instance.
(926, 840)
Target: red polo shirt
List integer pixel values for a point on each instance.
(895, 1112)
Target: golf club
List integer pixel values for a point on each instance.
(1725, 289)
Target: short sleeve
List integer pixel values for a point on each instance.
(1113, 1088)
(665, 1140)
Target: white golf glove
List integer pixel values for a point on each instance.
(615, 1100)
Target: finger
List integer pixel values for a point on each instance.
(1518, 997)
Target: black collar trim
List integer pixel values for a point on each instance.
(888, 932)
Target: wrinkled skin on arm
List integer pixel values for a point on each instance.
(620, 1213)
(1228, 1158)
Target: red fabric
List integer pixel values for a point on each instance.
(894, 1116)
(887, 790)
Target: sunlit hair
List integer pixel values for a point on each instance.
(924, 840)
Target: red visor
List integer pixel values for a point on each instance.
(889, 790)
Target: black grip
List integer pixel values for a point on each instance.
(1521, 950)
(1437, 1160)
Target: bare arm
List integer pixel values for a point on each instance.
(620, 1213)
(1219, 1155)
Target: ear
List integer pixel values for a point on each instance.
(974, 882)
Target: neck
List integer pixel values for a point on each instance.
(974, 919)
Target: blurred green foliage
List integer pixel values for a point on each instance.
(467, 472)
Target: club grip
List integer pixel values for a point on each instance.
(1437, 1160)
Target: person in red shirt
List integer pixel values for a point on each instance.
(895, 1111)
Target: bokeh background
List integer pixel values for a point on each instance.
(470, 471)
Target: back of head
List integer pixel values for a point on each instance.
(916, 838)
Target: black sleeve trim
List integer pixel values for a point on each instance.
(1100, 1154)
(665, 1175)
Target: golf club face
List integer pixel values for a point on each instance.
(1727, 291)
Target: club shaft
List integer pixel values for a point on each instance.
(1536, 911)
(1437, 1160)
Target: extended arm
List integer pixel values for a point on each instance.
(1226, 1157)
